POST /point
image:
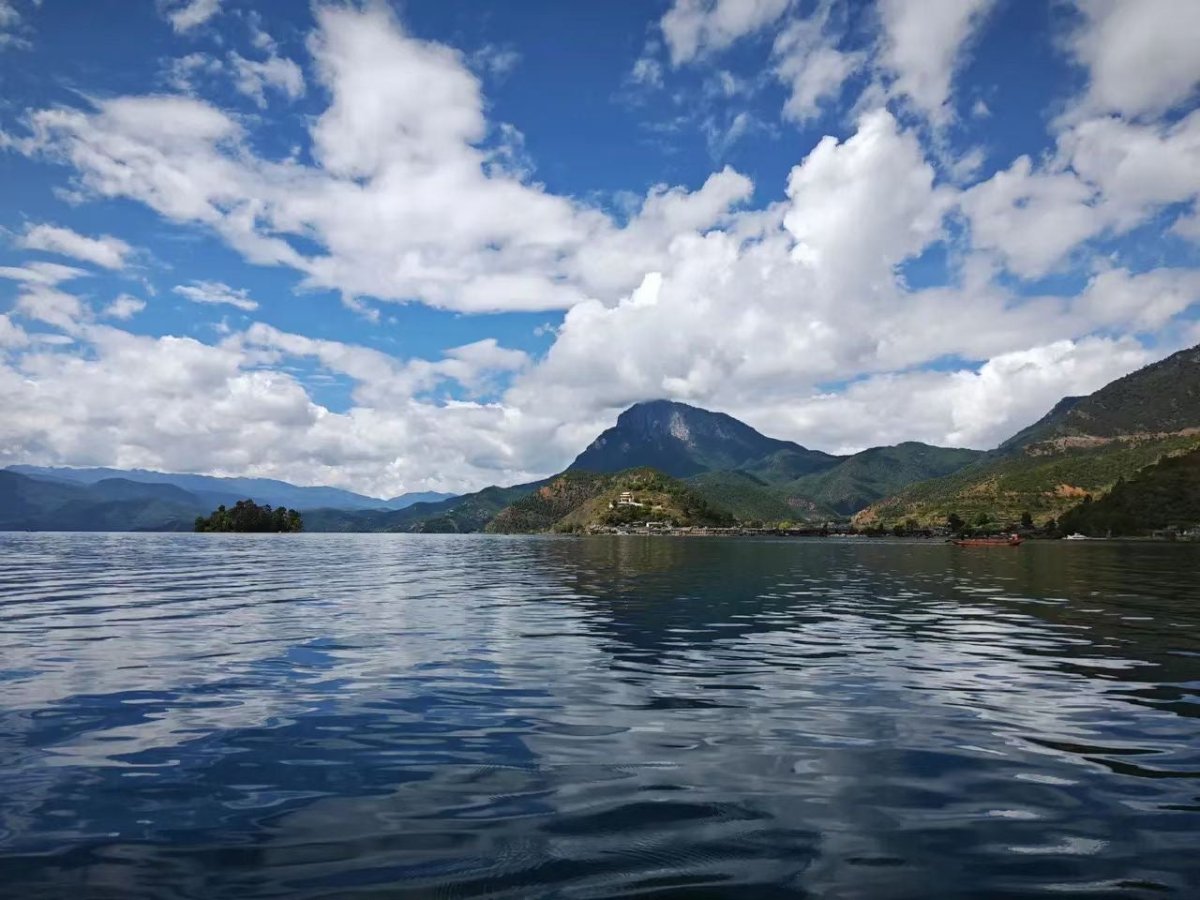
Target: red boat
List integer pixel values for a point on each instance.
(1012, 540)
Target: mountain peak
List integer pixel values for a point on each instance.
(683, 440)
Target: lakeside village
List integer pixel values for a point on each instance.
(954, 527)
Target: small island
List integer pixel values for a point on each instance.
(248, 516)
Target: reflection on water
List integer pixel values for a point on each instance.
(212, 716)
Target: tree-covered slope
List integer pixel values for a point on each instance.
(1164, 495)
(879, 472)
(468, 513)
(746, 496)
(582, 501)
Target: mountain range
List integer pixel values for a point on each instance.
(706, 466)
(39, 498)
(723, 462)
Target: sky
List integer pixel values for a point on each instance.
(436, 245)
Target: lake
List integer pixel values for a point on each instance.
(367, 716)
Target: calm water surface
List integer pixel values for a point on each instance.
(368, 716)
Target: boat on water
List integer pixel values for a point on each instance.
(1077, 537)
(1010, 540)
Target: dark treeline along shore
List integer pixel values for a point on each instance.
(1124, 461)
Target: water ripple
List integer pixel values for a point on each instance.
(211, 716)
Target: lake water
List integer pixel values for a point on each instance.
(368, 716)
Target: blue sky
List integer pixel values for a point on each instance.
(436, 245)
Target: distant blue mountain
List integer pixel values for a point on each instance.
(211, 491)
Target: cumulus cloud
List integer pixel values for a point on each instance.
(1140, 54)
(809, 63)
(105, 251)
(965, 408)
(923, 46)
(795, 315)
(861, 206)
(217, 293)
(404, 200)
(694, 27)
(1108, 175)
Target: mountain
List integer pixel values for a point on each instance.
(583, 501)
(212, 491)
(727, 464)
(112, 504)
(461, 514)
(1164, 495)
(862, 479)
(682, 440)
(406, 500)
(1163, 398)
(1082, 447)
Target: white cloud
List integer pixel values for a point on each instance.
(1143, 302)
(404, 201)
(968, 407)
(106, 251)
(1107, 176)
(215, 292)
(414, 195)
(124, 306)
(14, 30)
(692, 28)
(183, 73)
(253, 77)
(11, 334)
(1135, 168)
(648, 71)
(923, 46)
(1140, 54)
(1032, 220)
(52, 306)
(810, 65)
(184, 15)
(43, 273)
(861, 206)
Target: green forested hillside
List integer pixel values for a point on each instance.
(1164, 495)
(468, 513)
(879, 472)
(746, 496)
(580, 501)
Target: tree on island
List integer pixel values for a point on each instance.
(248, 516)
